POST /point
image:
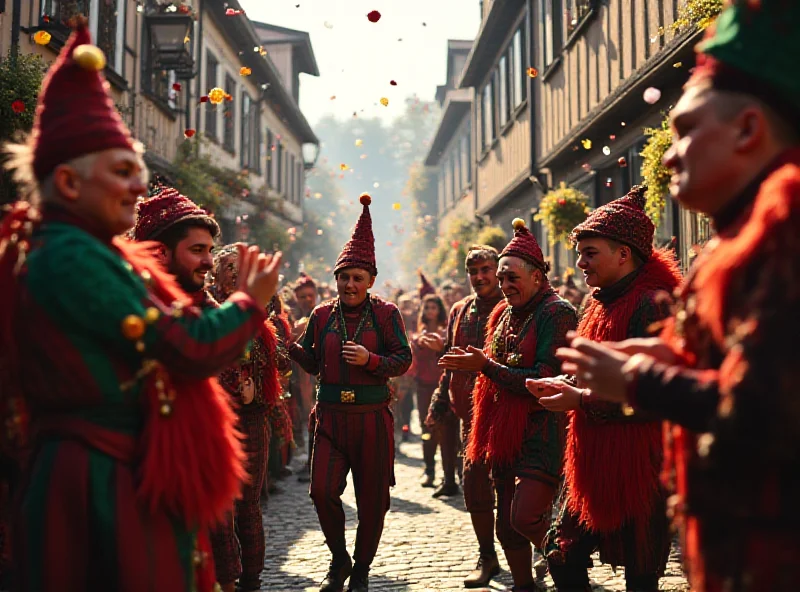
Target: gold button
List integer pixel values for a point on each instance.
(133, 327)
(151, 315)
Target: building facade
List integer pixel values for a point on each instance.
(260, 131)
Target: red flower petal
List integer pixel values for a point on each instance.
(393, 82)
(18, 107)
(176, 86)
(204, 99)
(189, 133)
(374, 16)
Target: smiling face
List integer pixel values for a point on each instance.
(483, 277)
(519, 280)
(190, 260)
(352, 284)
(603, 262)
(105, 194)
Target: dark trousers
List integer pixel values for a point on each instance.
(357, 438)
(450, 442)
(239, 543)
(477, 481)
(430, 438)
(523, 510)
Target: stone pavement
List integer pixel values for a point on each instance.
(427, 544)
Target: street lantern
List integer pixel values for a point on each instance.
(168, 35)
(310, 155)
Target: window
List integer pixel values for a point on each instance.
(487, 115)
(258, 146)
(575, 11)
(519, 70)
(455, 173)
(211, 81)
(279, 167)
(270, 160)
(155, 82)
(466, 159)
(550, 30)
(290, 180)
(502, 77)
(246, 132)
(229, 115)
(300, 180)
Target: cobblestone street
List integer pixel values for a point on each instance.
(427, 544)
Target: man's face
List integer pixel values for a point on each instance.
(107, 196)
(306, 299)
(519, 281)
(191, 259)
(483, 277)
(702, 156)
(352, 284)
(601, 264)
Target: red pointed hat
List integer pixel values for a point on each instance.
(75, 115)
(524, 246)
(425, 286)
(359, 251)
(304, 281)
(623, 220)
(166, 208)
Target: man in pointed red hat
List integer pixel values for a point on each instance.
(354, 344)
(726, 369)
(612, 497)
(521, 440)
(105, 361)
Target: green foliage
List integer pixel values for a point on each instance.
(697, 14)
(20, 80)
(494, 236)
(561, 210)
(655, 175)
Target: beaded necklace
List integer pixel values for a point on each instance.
(361, 322)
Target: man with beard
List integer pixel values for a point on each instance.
(726, 369)
(452, 401)
(520, 439)
(105, 363)
(354, 343)
(186, 233)
(612, 499)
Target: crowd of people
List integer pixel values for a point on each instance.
(156, 384)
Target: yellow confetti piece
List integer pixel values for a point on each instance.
(363, 156)
(587, 144)
(677, 64)
(245, 71)
(216, 96)
(396, 206)
(343, 166)
(359, 142)
(384, 101)
(425, 437)
(42, 37)
(532, 72)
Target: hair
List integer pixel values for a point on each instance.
(441, 316)
(180, 230)
(638, 259)
(481, 253)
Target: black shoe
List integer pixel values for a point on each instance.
(487, 568)
(427, 480)
(446, 490)
(338, 572)
(248, 584)
(359, 581)
(285, 472)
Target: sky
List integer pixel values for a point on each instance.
(357, 59)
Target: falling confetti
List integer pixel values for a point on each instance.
(18, 107)
(424, 24)
(204, 99)
(652, 96)
(586, 167)
(587, 144)
(317, 195)
(376, 185)
(359, 142)
(216, 95)
(319, 232)
(612, 137)
(176, 86)
(677, 64)
(42, 37)
(245, 71)
(609, 182)
(622, 162)
(328, 25)
(532, 72)
(343, 166)
(228, 97)
(384, 101)
(606, 150)
(363, 156)
(396, 206)
(374, 16)
(623, 124)
(393, 82)
(188, 133)
(233, 12)
(333, 97)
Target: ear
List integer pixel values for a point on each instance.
(624, 254)
(67, 182)
(371, 281)
(752, 125)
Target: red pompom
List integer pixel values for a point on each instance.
(365, 199)
(374, 16)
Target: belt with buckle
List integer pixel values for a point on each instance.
(362, 394)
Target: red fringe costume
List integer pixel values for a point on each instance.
(133, 452)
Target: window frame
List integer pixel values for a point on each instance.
(279, 185)
(270, 177)
(246, 132)
(229, 116)
(503, 102)
(212, 115)
(488, 128)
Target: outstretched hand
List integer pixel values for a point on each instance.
(554, 394)
(598, 367)
(259, 273)
(470, 360)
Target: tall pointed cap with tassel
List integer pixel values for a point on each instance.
(75, 114)
(359, 251)
(623, 220)
(524, 246)
(425, 286)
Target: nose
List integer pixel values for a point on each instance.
(582, 263)
(208, 260)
